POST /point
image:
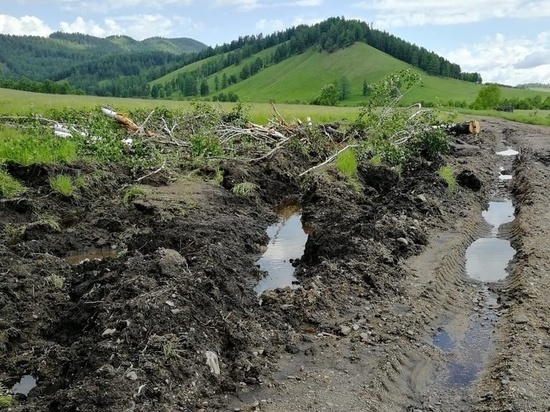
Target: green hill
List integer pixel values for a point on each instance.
(299, 79)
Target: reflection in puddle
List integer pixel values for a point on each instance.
(508, 152)
(287, 242)
(93, 255)
(499, 213)
(25, 385)
(487, 258)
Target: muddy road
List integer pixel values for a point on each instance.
(404, 295)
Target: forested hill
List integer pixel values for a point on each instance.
(121, 66)
(39, 58)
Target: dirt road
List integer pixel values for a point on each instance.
(114, 306)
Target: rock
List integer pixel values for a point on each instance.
(132, 376)
(522, 319)
(403, 241)
(422, 198)
(365, 337)
(345, 330)
(108, 332)
(170, 303)
(171, 262)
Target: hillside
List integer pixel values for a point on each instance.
(40, 58)
(300, 78)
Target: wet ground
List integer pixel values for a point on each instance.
(309, 295)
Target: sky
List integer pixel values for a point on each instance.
(506, 41)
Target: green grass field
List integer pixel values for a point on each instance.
(15, 102)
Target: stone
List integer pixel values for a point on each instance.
(364, 337)
(403, 241)
(522, 319)
(345, 330)
(108, 332)
(132, 376)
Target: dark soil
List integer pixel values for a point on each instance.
(172, 274)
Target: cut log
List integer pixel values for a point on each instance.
(471, 127)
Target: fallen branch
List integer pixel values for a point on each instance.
(152, 173)
(330, 159)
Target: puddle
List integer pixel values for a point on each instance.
(486, 261)
(487, 258)
(469, 354)
(93, 255)
(508, 152)
(443, 341)
(287, 240)
(25, 385)
(499, 213)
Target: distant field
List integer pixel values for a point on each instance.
(13, 102)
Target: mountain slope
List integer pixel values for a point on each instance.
(39, 58)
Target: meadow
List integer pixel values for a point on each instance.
(15, 102)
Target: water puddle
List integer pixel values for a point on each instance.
(93, 255)
(442, 340)
(25, 385)
(488, 257)
(486, 261)
(468, 354)
(508, 152)
(287, 240)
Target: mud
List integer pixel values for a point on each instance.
(160, 285)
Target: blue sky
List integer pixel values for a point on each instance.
(507, 41)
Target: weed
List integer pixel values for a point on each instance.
(244, 189)
(132, 193)
(447, 174)
(218, 177)
(376, 160)
(63, 184)
(56, 280)
(13, 234)
(5, 401)
(346, 163)
(9, 187)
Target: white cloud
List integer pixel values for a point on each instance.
(26, 25)
(106, 6)
(240, 4)
(506, 60)
(138, 26)
(397, 13)
(269, 26)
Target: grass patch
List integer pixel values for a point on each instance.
(63, 184)
(447, 174)
(132, 193)
(56, 280)
(9, 187)
(346, 162)
(32, 148)
(245, 189)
